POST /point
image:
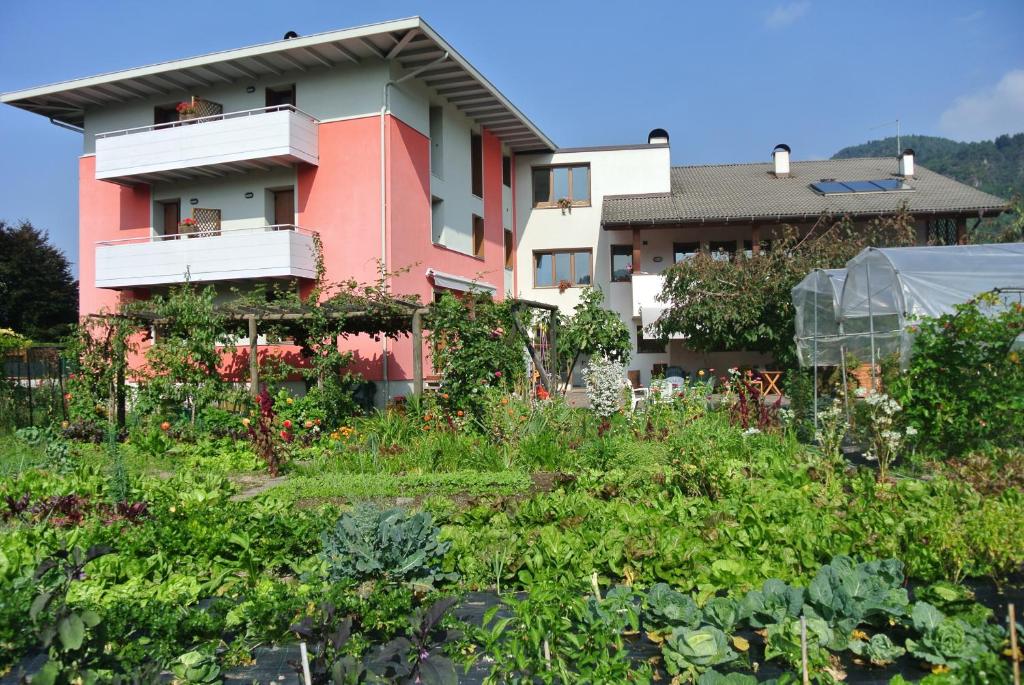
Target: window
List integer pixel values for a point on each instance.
(622, 263)
(553, 267)
(165, 114)
(722, 250)
(477, 164)
(478, 236)
(506, 171)
(648, 345)
(436, 219)
(281, 95)
(437, 141)
(830, 186)
(554, 183)
(683, 251)
(510, 249)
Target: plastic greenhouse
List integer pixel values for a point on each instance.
(816, 301)
(886, 289)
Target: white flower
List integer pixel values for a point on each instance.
(605, 379)
(751, 431)
(911, 431)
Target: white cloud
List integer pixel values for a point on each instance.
(784, 15)
(985, 114)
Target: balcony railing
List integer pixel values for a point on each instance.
(278, 251)
(213, 145)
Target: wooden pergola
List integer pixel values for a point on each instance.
(390, 317)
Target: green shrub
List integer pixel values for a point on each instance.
(964, 388)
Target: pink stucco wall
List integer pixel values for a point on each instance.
(106, 211)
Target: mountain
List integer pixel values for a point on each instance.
(995, 166)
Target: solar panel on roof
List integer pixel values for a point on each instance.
(861, 186)
(830, 187)
(833, 187)
(889, 184)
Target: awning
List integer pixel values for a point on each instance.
(460, 283)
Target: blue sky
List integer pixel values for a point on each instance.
(728, 79)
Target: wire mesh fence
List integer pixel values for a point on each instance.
(33, 387)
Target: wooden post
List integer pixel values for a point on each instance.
(755, 240)
(803, 650)
(553, 335)
(1014, 649)
(417, 352)
(636, 250)
(254, 362)
(961, 231)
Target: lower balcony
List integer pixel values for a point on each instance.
(282, 251)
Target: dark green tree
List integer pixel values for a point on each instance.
(38, 296)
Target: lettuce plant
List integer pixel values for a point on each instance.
(948, 641)
(774, 602)
(879, 650)
(667, 608)
(691, 651)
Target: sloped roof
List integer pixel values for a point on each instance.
(411, 42)
(734, 193)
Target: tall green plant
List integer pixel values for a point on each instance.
(964, 388)
(183, 364)
(592, 330)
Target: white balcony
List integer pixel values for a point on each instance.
(265, 252)
(209, 146)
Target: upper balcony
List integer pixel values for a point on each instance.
(283, 251)
(208, 146)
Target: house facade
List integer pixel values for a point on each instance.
(399, 155)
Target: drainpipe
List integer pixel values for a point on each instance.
(384, 107)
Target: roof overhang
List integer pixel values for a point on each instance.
(745, 220)
(411, 43)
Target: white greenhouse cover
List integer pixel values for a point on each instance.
(886, 289)
(816, 301)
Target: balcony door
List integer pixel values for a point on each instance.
(284, 207)
(172, 217)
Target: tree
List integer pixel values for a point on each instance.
(592, 330)
(745, 304)
(38, 296)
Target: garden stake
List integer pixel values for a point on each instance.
(305, 664)
(547, 653)
(1014, 651)
(597, 588)
(803, 649)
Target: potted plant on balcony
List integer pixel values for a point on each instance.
(565, 204)
(187, 109)
(187, 226)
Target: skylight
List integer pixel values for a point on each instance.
(830, 186)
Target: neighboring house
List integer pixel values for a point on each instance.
(387, 143)
(633, 215)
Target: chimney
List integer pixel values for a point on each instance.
(780, 157)
(658, 136)
(907, 163)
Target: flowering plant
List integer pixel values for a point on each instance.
(186, 107)
(605, 380)
(884, 436)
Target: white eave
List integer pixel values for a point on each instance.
(411, 43)
(459, 283)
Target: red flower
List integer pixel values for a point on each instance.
(497, 374)
(286, 436)
(287, 423)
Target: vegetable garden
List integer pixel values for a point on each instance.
(481, 534)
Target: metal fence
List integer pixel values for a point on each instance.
(33, 386)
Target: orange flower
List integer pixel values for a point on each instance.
(245, 422)
(427, 417)
(444, 396)
(504, 400)
(165, 426)
(308, 424)
(458, 413)
(522, 418)
(426, 428)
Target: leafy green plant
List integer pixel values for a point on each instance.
(879, 649)
(74, 651)
(783, 642)
(773, 603)
(964, 388)
(392, 545)
(947, 641)
(722, 613)
(846, 594)
(195, 668)
(690, 651)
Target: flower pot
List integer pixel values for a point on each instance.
(862, 374)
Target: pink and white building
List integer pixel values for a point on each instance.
(393, 148)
